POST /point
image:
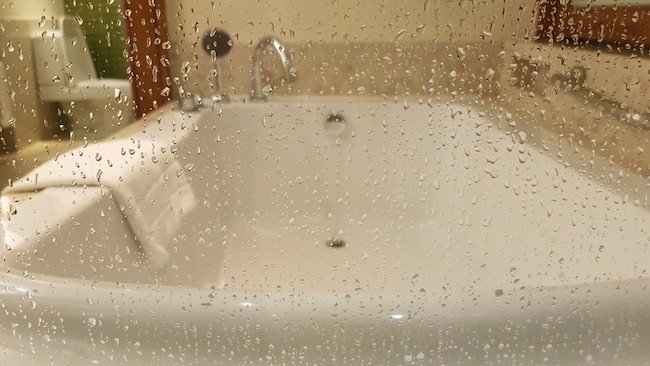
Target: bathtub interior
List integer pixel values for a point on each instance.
(421, 192)
(446, 200)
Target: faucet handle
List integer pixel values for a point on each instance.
(217, 42)
(191, 102)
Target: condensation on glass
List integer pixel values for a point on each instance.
(324, 183)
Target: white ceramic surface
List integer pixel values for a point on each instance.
(471, 239)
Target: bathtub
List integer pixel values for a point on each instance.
(344, 231)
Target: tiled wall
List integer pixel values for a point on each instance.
(361, 69)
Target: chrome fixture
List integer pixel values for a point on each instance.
(217, 43)
(336, 125)
(574, 83)
(335, 117)
(258, 52)
(336, 243)
(191, 102)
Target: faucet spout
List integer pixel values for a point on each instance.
(264, 44)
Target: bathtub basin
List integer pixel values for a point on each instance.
(346, 232)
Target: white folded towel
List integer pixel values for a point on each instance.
(145, 179)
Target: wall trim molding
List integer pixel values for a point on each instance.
(149, 67)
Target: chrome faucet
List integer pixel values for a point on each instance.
(262, 45)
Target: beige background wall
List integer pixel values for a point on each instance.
(30, 9)
(312, 27)
(352, 20)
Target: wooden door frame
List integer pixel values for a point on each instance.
(601, 25)
(147, 40)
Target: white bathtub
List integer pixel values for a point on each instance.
(470, 239)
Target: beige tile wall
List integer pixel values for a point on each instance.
(351, 20)
(362, 69)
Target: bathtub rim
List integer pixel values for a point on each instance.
(168, 300)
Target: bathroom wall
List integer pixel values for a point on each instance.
(30, 9)
(352, 20)
(19, 22)
(335, 39)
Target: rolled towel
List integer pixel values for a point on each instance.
(147, 182)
